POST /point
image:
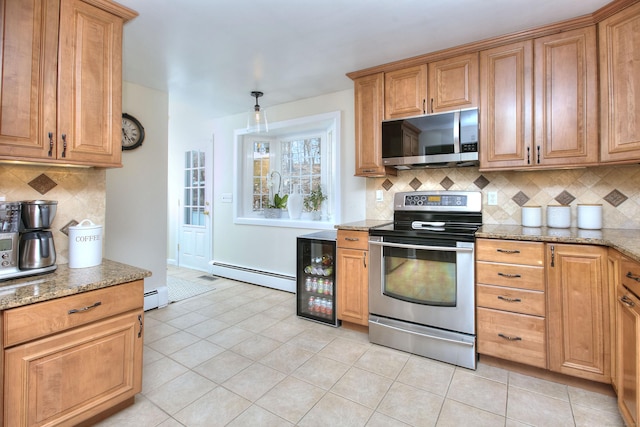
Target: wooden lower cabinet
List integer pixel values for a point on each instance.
(628, 355)
(578, 311)
(353, 277)
(80, 373)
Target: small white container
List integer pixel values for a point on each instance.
(85, 245)
(559, 216)
(590, 217)
(531, 216)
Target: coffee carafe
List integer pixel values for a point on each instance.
(37, 249)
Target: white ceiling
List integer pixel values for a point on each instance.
(213, 53)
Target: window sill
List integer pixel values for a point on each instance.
(286, 222)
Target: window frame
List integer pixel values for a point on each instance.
(328, 125)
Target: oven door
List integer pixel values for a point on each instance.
(423, 281)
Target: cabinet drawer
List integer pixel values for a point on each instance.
(510, 336)
(630, 275)
(510, 251)
(513, 276)
(511, 299)
(353, 239)
(26, 323)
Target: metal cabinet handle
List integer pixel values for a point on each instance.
(50, 144)
(364, 259)
(508, 338)
(89, 307)
(627, 301)
(431, 105)
(538, 154)
(140, 321)
(507, 299)
(424, 105)
(511, 276)
(528, 155)
(631, 276)
(508, 251)
(64, 145)
(553, 256)
(352, 239)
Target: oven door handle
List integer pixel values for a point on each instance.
(423, 247)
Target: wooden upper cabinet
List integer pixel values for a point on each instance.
(61, 88)
(405, 92)
(453, 84)
(566, 99)
(620, 86)
(506, 116)
(369, 108)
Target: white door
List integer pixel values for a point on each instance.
(194, 249)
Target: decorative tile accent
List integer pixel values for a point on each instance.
(415, 183)
(446, 183)
(481, 182)
(520, 198)
(42, 184)
(615, 198)
(387, 184)
(565, 198)
(65, 229)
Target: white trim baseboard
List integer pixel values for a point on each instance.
(264, 278)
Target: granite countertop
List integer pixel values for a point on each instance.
(625, 241)
(364, 225)
(65, 281)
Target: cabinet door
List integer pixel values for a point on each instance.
(506, 106)
(405, 92)
(566, 98)
(353, 280)
(29, 50)
(578, 311)
(619, 40)
(453, 83)
(90, 92)
(369, 108)
(628, 355)
(73, 376)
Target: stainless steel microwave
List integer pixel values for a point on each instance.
(435, 140)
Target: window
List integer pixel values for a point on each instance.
(194, 188)
(299, 152)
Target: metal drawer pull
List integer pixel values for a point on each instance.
(89, 307)
(352, 239)
(508, 251)
(140, 321)
(631, 276)
(513, 276)
(507, 299)
(627, 301)
(507, 337)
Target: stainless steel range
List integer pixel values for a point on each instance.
(421, 276)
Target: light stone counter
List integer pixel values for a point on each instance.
(364, 225)
(66, 281)
(626, 242)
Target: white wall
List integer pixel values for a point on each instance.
(270, 249)
(136, 195)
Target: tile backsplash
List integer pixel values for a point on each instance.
(617, 188)
(80, 193)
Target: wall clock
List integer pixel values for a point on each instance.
(132, 132)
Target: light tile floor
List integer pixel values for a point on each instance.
(239, 356)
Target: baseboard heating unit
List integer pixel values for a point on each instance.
(156, 298)
(278, 281)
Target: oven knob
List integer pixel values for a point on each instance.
(5, 255)
(5, 263)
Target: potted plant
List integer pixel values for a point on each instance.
(274, 208)
(313, 202)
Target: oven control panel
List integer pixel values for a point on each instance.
(463, 201)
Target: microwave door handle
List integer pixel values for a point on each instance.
(456, 132)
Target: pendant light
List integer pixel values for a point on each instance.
(257, 119)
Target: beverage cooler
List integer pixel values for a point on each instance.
(316, 277)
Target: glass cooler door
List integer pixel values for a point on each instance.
(315, 277)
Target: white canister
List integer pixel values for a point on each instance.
(559, 216)
(85, 245)
(531, 216)
(590, 217)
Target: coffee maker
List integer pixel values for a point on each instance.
(27, 247)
